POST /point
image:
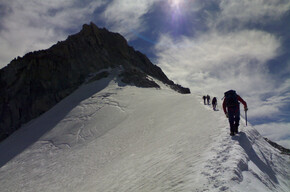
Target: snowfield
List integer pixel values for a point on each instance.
(107, 137)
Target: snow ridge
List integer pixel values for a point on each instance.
(107, 137)
(233, 163)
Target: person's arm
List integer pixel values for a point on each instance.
(243, 102)
(224, 106)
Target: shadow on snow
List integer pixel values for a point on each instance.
(264, 167)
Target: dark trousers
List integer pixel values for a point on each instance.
(214, 106)
(234, 118)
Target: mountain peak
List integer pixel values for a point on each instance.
(33, 84)
(90, 29)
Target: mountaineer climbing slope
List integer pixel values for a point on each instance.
(231, 107)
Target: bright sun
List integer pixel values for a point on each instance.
(175, 3)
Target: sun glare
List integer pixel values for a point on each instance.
(175, 3)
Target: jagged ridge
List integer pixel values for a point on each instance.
(31, 85)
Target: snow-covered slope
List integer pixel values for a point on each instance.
(109, 137)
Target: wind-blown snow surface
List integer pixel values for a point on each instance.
(106, 137)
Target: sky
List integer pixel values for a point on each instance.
(210, 46)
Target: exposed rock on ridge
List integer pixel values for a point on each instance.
(31, 85)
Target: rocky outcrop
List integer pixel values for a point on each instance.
(279, 147)
(31, 85)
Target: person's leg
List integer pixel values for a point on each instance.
(231, 121)
(237, 121)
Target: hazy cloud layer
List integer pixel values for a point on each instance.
(259, 11)
(125, 16)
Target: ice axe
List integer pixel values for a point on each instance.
(246, 117)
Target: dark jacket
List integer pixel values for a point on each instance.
(239, 99)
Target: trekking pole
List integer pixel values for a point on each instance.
(246, 118)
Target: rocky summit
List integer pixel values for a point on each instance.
(32, 84)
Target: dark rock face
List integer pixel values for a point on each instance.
(279, 147)
(137, 78)
(31, 85)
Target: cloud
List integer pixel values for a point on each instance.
(32, 25)
(278, 132)
(242, 12)
(228, 59)
(125, 16)
(245, 10)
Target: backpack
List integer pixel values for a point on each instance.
(231, 98)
